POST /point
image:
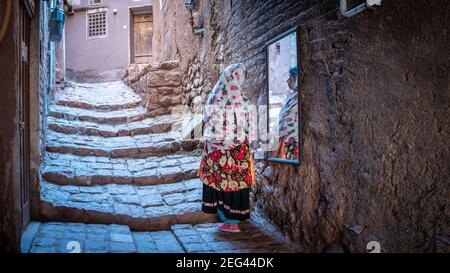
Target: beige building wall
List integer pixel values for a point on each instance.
(106, 53)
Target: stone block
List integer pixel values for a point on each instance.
(191, 239)
(122, 177)
(172, 188)
(128, 199)
(146, 247)
(174, 199)
(86, 197)
(62, 178)
(124, 152)
(97, 245)
(197, 247)
(164, 91)
(159, 211)
(154, 200)
(165, 101)
(173, 79)
(177, 99)
(155, 79)
(146, 177)
(168, 65)
(120, 229)
(119, 247)
(120, 237)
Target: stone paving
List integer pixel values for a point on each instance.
(161, 124)
(67, 169)
(203, 238)
(99, 117)
(139, 146)
(100, 96)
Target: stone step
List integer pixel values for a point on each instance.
(99, 117)
(161, 124)
(98, 106)
(100, 96)
(146, 208)
(67, 169)
(139, 146)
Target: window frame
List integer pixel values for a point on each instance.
(268, 154)
(93, 11)
(90, 3)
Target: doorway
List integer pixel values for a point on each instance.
(26, 12)
(141, 36)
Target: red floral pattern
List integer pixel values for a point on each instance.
(227, 169)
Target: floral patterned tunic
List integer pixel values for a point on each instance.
(228, 170)
(289, 128)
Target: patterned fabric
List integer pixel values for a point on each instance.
(226, 114)
(289, 119)
(288, 145)
(287, 150)
(228, 170)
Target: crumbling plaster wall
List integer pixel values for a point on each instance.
(199, 55)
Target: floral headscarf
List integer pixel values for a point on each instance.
(226, 112)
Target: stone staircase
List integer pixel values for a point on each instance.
(108, 162)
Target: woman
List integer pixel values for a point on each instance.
(288, 146)
(227, 169)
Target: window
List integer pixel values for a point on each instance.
(95, 2)
(97, 24)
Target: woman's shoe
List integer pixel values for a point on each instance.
(234, 228)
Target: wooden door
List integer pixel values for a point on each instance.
(24, 106)
(143, 35)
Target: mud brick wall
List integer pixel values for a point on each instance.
(375, 112)
(40, 96)
(200, 56)
(158, 84)
(10, 217)
(10, 223)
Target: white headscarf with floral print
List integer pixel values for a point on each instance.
(226, 113)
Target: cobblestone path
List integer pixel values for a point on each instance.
(93, 238)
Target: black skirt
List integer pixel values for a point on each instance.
(235, 205)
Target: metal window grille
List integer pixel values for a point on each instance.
(97, 25)
(95, 2)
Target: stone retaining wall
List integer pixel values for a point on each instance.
(158, 84)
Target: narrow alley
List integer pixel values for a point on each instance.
(107, 162)
(224, 126)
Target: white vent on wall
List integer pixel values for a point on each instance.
(359, 8)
